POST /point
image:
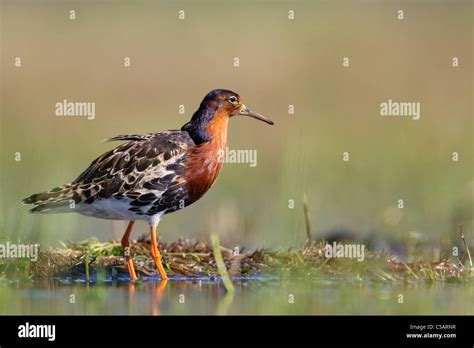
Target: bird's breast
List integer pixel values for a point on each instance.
(204, 161)
(203, 165)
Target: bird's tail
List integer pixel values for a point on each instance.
(60, 199)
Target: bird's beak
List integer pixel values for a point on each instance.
(245, 111)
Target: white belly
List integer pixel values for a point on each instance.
(111, 209)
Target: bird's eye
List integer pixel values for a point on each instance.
(232, 99)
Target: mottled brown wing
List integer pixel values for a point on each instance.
(123, 169)
(132, 137)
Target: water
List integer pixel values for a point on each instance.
(253, 295)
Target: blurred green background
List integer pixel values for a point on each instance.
(282, 62)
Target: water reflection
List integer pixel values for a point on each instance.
(273, 296)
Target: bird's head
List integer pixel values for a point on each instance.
(216, 108)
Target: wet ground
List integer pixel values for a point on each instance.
(256, 295)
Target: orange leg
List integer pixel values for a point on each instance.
(126, 249)
(156, 254)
